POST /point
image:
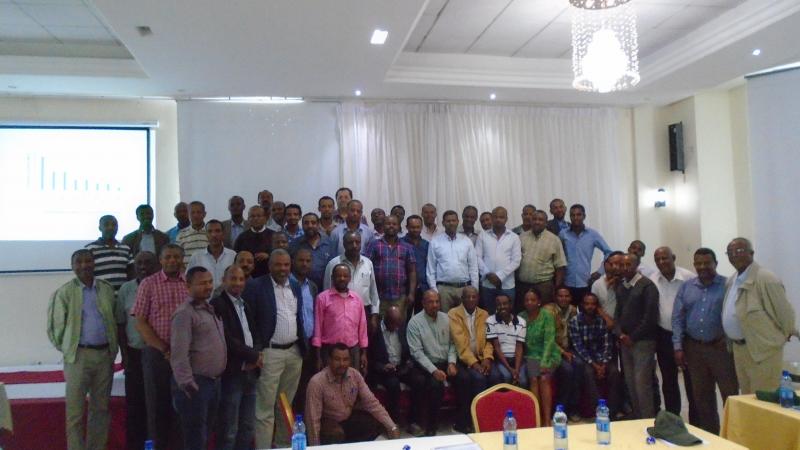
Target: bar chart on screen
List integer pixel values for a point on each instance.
(59, 181)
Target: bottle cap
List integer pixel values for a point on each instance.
(559, 408)
(298, 418)
(786, 373)
(406, 447)
(509, 413)
(602, 402)
(651, 440)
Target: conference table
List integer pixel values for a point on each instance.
(625, 435)
(760, 425)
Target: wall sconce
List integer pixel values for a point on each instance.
(661, 198)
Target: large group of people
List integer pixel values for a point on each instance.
(222, 324)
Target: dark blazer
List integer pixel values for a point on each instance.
(637, 310)
(238, 351)
(134, 241)
(378, 355)
(552, 226)
(226, 232)
(260, 297)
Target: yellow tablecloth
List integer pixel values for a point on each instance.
(760, 425)
(5, 410)
(625, 435)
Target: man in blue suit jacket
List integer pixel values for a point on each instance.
(276, 303)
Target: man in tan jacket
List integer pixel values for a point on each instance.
(468, 330)
(757, 318)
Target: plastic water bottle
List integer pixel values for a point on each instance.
(299, 434)
(560, 441)
(603, 423)
(148, 445)
(786, 391)
(509, 431)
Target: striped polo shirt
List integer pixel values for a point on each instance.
(111, 263)
(192, 241)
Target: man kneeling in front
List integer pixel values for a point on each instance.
(340, 408)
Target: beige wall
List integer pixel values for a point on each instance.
(23, 302)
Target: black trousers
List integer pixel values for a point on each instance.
(136, 417)
(359, 427)
(390, 382)
(669, 377)
(162, 420)
(426, 396)
(469, 383)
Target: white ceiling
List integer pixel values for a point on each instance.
(65, 28)
(437, 49)
(541, 28)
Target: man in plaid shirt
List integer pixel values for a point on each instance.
(591, 342)
(157, 298)
(395, 268)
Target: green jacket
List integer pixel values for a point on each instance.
(766, 316)
(64, 317)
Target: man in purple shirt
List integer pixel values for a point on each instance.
(198, 358)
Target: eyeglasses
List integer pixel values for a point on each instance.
(737, 252)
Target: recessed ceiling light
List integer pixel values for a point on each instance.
(756, 52)
(358, 92)
(144, 30)
(492, 96)
(379, 37)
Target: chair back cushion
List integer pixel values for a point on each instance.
(490, 410)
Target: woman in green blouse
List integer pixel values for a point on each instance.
(541, 352)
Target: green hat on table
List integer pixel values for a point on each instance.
(671, 428)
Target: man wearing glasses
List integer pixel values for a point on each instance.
(757, 318)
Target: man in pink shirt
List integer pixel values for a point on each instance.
(340, 318)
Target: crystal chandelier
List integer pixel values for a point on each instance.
(605, 49)
(597, 4)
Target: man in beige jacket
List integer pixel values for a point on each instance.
(757, 318)
(475, 353)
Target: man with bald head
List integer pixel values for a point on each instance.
(257, 240)
(275, 301)
(389, 358)
(636, 324)
(499, 253)
(757, 317)
(434, 355)
(475, 353)
(668, 279)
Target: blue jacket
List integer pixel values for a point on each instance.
(260, 297)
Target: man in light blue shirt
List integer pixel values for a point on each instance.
(181, 214)
(355, 211)
(452, 263)
(699, 340)
(580, 242)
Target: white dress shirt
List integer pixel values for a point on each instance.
(667, 290)
(286, 305)
(362, 280)
(216, 266)
(452, 260)
(499, 256)
(429, 235)
(238, 306)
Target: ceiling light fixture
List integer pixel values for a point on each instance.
(264, 100)
(492, 96)
(358, 92)
(597, 4)
(756, 52)
(605, 49)
(379, 37)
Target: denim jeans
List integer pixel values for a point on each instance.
(237, 411)
(196, 412)
(488, 296)
(501, 374)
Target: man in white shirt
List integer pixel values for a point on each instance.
(499, 253)
(668, 279)
(604, 287)
(362, 279)
(506, 332)
(429, 229)
(452, 263)
(215, 258)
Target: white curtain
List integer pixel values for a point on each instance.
(453, 155)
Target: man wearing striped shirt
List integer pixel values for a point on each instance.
(193, 238)
(113, 260)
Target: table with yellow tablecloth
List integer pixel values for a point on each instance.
(760, 425)
(625, 435)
